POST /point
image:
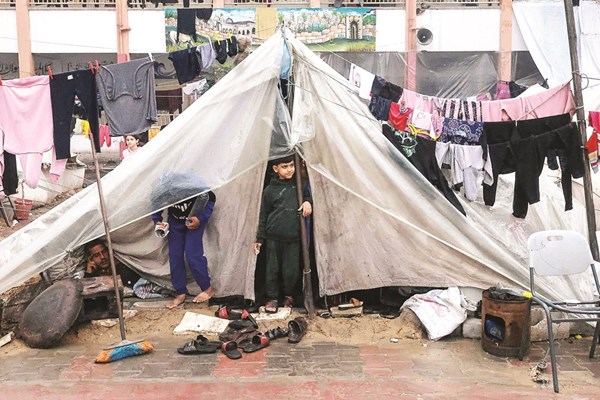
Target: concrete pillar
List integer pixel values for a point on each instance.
(505, 61)
(410, 73)
(315, 4)
(26, 63)
(219, 3)
(122, 31)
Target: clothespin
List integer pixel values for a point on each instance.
(91, 67)
(229, 35)
(97, 66)
(216, 37)
(150, 55)
(50, 74)
(0, 80)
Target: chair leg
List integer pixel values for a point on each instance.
(552, 353)
(595, 341)
(550, 342)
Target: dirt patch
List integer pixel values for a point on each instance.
(148, 323)
(364, 329)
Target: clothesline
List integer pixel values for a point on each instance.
(345, 83)
(518, 119)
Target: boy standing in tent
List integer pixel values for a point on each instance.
(279, 229)
(186, 227)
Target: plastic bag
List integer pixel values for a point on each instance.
(440, 311)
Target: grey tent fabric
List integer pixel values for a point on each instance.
(377, 221)
(223, 139)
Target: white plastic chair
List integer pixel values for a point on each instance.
(561, 253)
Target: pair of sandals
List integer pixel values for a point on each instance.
(272, 306)
(232, 350)
(225, 312)
(200, 345)
(296, 329)
(259, 341)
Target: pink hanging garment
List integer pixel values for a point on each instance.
(105, 136)
(26, 122)
(57, 168)
(554, 101)
(502, 91)
(122, 148)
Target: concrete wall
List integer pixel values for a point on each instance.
(8, 32)
(94, 31)
(82, 31)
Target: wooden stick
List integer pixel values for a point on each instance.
(111, 256)
(587, 178)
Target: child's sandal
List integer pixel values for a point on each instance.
(271, 307)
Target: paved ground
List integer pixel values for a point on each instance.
(410, 369)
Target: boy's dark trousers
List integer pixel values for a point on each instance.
(282, 258)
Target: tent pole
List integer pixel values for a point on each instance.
(587, 178)
(306, 272)
(111, 256)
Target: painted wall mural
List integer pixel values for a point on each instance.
(223, 23)
(321, 29)
(331, 29)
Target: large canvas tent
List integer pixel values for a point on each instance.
(377, 221)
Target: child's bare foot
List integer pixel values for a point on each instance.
(204, 296)
(177, 301)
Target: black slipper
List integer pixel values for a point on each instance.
(298, 327)
(277, 333)
(247, 316)
(257, 342)
(230, 349)
(240, 324)
(251, 306)
(196, 347)
(201, 340)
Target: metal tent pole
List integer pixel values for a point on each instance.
(306, 271)
(111, 256)
(587, 178)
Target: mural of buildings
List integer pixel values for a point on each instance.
(322, 29)
(339, 29)
(229, 21)
(223, 23)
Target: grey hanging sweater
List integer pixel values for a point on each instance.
(128, 97)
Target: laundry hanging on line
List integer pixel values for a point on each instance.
(26, 125)
(128, 96)
(544, 118)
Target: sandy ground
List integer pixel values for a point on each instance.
(148, 324)
(364, 329)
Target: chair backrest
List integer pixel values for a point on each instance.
(558, 253)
